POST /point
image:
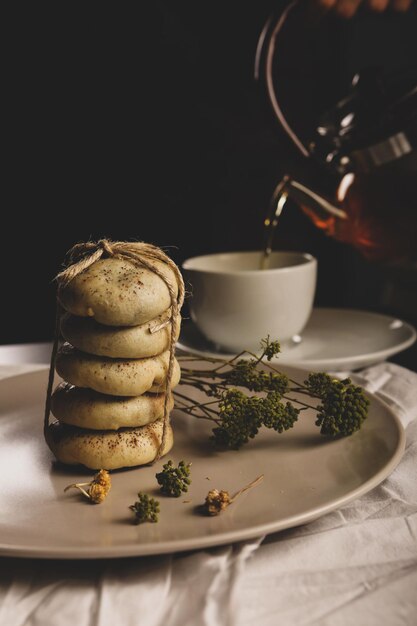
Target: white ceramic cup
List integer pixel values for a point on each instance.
(235, 304)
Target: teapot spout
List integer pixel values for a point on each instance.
(316, 203)
(323, 213)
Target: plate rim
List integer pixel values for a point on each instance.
(327, 363)
(209, 541)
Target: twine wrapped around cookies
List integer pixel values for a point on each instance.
(142, 255)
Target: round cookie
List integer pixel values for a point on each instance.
(117, 293)
(118, 377)
(108, 449)
(97, 411)
(129, 342)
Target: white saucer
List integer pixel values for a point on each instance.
(333, 339)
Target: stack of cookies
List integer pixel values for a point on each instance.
(117, 329)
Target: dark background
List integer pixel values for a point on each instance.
(146, 123)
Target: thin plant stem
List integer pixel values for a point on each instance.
(201, 417)
(186, 408)
(252, 484)
(307, 406)
(78, 486)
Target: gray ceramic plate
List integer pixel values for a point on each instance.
(306, 476)
(333, 339)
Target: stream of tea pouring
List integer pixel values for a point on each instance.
(319, 209)
(278, 200)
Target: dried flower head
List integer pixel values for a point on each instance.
(97, 489)
(97, 493)
(216, 501)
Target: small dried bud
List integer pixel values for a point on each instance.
(145, 509)
(174, 480)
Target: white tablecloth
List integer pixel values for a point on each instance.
(357, 565)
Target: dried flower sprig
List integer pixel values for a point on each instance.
(98, 488)
(216, 501)
(238, 415)
(174, 480)
(145, 509)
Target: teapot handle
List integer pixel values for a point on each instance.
(264, 61)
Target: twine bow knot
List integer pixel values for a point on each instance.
(106, 247)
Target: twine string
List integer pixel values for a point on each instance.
(142, 255)
(51, 376)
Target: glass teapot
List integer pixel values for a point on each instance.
(357, 178)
